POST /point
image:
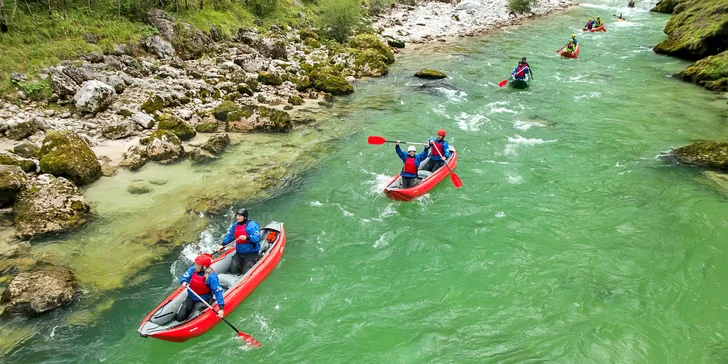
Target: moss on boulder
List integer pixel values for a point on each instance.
(26, 149)
(370, 41)
(176, 125)
(698, 28)
(259, 118)
(704, 154)
(65, 154)
(302, 83)
(430, 74)
(207, 125)
(311, 42)
(711, 72)
(27, 165)
(666, 6)
(221, 111)
(153, 103)
(328, 80)
(216, 144)
(12, 179)
(295, 100)
(270, 78)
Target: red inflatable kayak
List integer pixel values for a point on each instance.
(599, 29)
(574, 54)
(161, 323)
(426, 181)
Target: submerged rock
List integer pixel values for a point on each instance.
(199, 156)
(216, 144)
(430, 74)
(35, 293)
(49, 205)
(139, 188)
(258, 118)
(12, 179)
(704, 154)
(65, 154)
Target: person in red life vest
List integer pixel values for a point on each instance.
(412, 162)
(530, 71)
(521, 71)
(440, 149)
(246, 235)
(203, 280)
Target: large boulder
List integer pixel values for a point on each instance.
(200, 156)
(274, 48)
(331, 83)
(94, 96)
(119, 130)
(27, 165)
(22, 129)
(12, 179)
(222, 111)
(253, 62)
(207, 125)
(667, 6)
(26, 149)
(176, 125)
(163, 22)
(61, 83)
(190, 43)
(49, 205)
(270, 78)
(258, 118)
(710, 72)
(164, 147)
(134, 158)
(698, 28)
(159, 47)
(430, 74)
(35, 293)
(370, 41)
(216, 144)
(65, 154)
(704, 154)
(249, 37)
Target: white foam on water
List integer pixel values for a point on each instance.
(495, 162)
(440, 110)
(315, 203)
(378, 184)
(467, 122)
(525, 125)
(344, 211)
(453, 95)
(515, 142)
(388, 211)
(383, 240)
(514, 179)
(207, 244)
(500, 214)
(588, 96)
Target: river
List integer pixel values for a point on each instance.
(570, 240)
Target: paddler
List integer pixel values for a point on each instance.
(630, 4)
(246, 236)
(589, 24)
(530, 71)
(571, 47)
(521, 71)
(598, 23)
(201, 279)
(439, 149)
(412, 162)
(620, 16)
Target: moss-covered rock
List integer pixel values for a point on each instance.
(369, 63)
(207, 125)
(216, 144)
(244, 89)
(430, 74)
(698, 28)
(311, 42)
(270, 78)
(295, 100)
(704, 154)
(12, 179)
(48, 205)
(119, 130)
(666, 6)
(27, 165)
(38, 292)
(199, 156)
(711, 72)
(258, 118)
(65, 154)
(22, 129)
(302, 83)
(326, 79)
(395, 43)
(221, 111)
(370, 41)
(153, 103)
(253, 84)
(164, 147)
(176, 125)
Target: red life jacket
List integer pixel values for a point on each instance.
(198, 285)
(521, 71)
(240, 230)
(438, 145)
(409, 165)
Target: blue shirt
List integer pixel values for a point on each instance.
(212, 281)
(252, 245)
(418, 159)
(445, 148)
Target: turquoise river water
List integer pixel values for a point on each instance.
(571, 241)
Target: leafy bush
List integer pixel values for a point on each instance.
(338, 17)
(521, 6)
(378, 6)
(37, 90)
(262, 8)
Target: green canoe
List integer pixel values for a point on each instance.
(520, 84)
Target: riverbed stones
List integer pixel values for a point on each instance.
(164, 147)
(430, 74)
(207, 125)
(66, 154)
(26, 149)
(177, 126)
(153, 103)
(200, 156)
(704, 154)
(144, 120)
(94, 96)
(159, 47)
(119, 130)
(258, 118)
(270, 78)
(21, 129)
(49, 204)
(216, 144)
(222, 111)
(12, 179)
(139, 188)
(134, 158)
(38, 292)
(27, 165)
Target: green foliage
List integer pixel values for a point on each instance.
(262, 8)
(378, 6)
(37, 90)
(338, 17)
(521, 6)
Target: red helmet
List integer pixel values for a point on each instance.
(204, 260)
(441, 132)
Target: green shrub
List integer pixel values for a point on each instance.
(338, 17)
(521, 6)
(37, 90)
(262, 8)
(378, 6)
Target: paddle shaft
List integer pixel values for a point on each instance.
(213, 310)
(443, 157)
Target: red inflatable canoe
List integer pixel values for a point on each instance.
(599, 29)
(574, 54)
(161, 324)
(426, 181)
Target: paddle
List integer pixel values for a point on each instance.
(454, 177)
(503, 83)
(248, 339)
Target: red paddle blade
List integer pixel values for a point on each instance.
(456, 180)
(503, 83)
(376, 140)
(250, 340)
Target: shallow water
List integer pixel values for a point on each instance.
(570, 241)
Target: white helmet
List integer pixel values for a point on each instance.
(411, 148)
